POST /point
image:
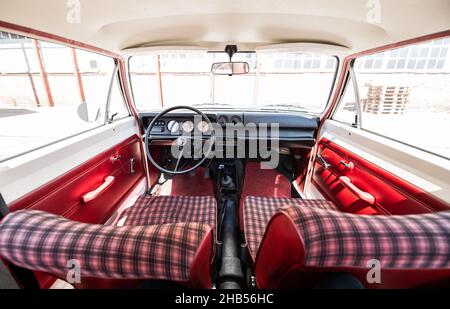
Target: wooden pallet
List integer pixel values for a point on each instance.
(386, 99)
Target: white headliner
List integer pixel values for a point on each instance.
(122, 24)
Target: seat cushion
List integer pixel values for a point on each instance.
(151, 210)
(307, 238)
(45, 242)
(257, 212)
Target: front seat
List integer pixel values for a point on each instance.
(302, 245)
(257, 211)
(163, 238)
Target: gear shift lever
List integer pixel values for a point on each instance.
(227, 182)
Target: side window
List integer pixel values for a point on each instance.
(406, 97)
(346, 111)
(49, 92)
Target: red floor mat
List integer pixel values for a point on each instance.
(197, 184)
(264, 182)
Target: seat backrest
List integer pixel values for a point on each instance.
(301, 244)
(45, 242)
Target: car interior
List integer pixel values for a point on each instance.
(271, 145)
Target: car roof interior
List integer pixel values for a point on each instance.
(213, 24)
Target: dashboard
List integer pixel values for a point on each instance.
(296, 129)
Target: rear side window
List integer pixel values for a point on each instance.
(404, 95)
(49, 92)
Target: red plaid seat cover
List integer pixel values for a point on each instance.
(259, 210)
(335, 240)
(45, 242)
(341, 239)
(151, 210)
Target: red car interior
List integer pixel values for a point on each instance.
(233, 222)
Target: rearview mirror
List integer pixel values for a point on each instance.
(83, 112)
(230, 68)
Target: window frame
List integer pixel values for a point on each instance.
(116, 74)
(349, 78)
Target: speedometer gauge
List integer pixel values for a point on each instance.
(173, 126)
(188, 126)
(203, 126)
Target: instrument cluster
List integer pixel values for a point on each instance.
(184, 124)
(187, 126)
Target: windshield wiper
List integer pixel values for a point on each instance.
(266, 107)
(211, 104)
(282, 106)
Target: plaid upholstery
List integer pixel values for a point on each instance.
(152, 210)
(336, 239)
(259, 210)
(45, 242)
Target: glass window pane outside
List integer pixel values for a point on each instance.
(296, 79)
(410, 106)
(32, 117)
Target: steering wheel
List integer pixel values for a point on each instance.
(181, 141)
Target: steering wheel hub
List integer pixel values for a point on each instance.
(181, 141)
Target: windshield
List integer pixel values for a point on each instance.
(275, 81)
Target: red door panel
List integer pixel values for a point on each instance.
(391, 194)
(62, 196)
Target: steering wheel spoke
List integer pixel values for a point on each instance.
(180, 156)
